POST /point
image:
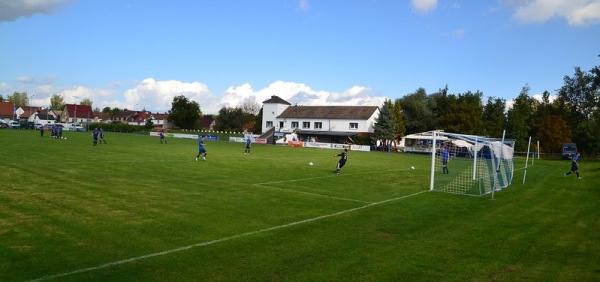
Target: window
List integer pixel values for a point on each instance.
(269, 124)
(281, 124)
(318, 125)
(305, 124)
(354, 125)
(295, 124)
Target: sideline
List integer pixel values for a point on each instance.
(202, 244)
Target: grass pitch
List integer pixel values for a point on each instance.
(136, 210)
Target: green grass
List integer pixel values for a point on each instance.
(134, 209)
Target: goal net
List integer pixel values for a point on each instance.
(469, 164)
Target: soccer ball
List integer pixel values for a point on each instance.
(310, 164)
(65, 138)
(412, 167)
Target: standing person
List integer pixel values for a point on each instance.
(248, 142)
(445, 156)
(342, 161)
(201, 149)
(41, 131)
(162, 137)
(95, 134)
(102, 135)
(574, 166)
(59, 131)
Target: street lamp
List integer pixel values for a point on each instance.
(30, 112)
(75, 116)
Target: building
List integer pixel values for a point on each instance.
(77, 114)
(329, 124)
(7, 111)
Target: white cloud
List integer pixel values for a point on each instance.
(36, 80)
(158, 95)
(575, 12)
(424, 5)
(303, 5)
(11, 10)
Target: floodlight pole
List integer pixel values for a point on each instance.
(526, 160)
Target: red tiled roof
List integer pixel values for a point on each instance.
(329, 112)
(6, 108)
(83, 111)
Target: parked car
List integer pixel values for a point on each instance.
(14, 124)
(38, 126)
(3, 124)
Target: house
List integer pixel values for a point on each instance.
(329, 124)
(7, 111)
(27, 113)
(102, 117)
(44, 116)
(140, 118)
(207, 123)
(123, 116)
(77, 114)
(161, 120)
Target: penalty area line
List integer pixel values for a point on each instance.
(207, 243)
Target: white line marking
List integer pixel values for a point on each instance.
(313, 194)
(202, 244)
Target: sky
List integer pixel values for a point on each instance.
(140, 54)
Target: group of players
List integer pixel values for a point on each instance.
(55, 131)
(98, 133)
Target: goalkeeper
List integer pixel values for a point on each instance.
(445, 156)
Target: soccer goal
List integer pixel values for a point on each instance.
(469, 164)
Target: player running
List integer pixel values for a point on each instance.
(342, 161)
(201, 149)
(574, 166)
(162, 137)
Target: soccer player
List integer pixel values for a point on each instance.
(248, 141)
(342, 161)
(574, 166)
(201, 149)
(162, 137)
(445, 156)
(41, 131)
(95, 134)
(102, 135)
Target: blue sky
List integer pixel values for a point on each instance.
(140, 54)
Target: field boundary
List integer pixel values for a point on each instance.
(207, 243)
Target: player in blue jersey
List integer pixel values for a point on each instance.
(201, 149)
(162, 137)
(574, 166)
(248, 142)
(95, 134)
(445, 156)
(342, 161)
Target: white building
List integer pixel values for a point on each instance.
(332, 124)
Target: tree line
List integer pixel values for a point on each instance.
(573, 116)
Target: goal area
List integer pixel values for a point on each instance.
(469, 164)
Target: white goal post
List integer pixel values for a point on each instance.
(476, 165)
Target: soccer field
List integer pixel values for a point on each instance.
(138, 210)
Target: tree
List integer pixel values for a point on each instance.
(233, 119)
(86, 102)
(1, 98)
(493, 117)
(553, 132)
(385, 125)
(399, 119)
(149, 124)
(417, 112)
(184, 113)
(18, 99)
(519, 119)
(57, 102)
(250, 106)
